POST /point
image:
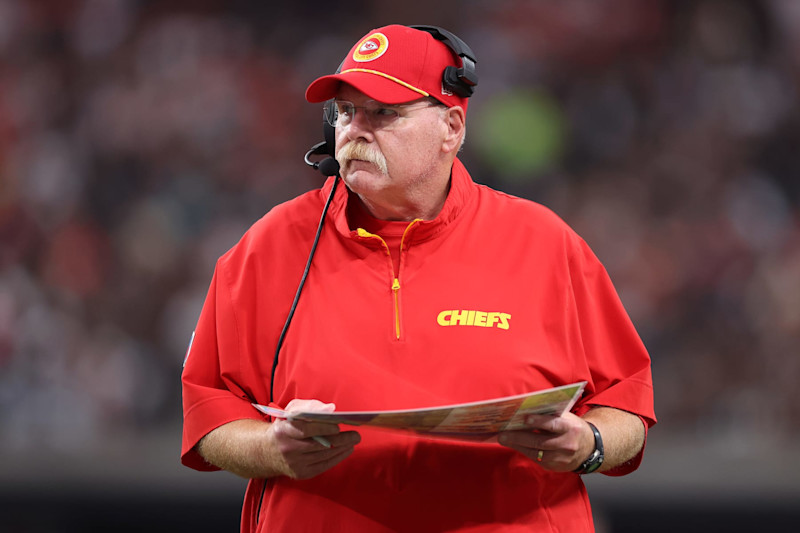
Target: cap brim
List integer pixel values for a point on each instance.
(376, 87)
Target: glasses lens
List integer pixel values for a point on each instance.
(329, 112)
(339, 113)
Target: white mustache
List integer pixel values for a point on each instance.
(362, 152)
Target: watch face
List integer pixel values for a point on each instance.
(592, 467)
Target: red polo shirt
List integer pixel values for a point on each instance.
(494, 297)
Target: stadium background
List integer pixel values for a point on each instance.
(139, 139)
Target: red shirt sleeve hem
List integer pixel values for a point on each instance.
(206, 416)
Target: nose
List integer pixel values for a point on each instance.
(359, 127)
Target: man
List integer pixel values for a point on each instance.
(409, 250)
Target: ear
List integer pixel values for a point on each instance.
(455, 120)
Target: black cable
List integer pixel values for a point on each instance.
(299, 290)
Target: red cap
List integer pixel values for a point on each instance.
(393, 64)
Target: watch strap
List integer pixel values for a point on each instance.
(595, 459)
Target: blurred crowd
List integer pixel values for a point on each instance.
(139, 139)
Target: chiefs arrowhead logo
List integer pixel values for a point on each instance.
(371, 47)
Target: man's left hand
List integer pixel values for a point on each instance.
(557, 443)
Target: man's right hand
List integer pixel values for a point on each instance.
(257, 449)
(302, 456)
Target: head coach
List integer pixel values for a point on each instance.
(425, 289)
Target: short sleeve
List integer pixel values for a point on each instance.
(618, 363)
(210, 400)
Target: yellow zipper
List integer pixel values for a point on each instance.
(396, 293)
(395, 280)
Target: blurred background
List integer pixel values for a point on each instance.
(139, 139)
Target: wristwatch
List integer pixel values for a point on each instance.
(596, 457)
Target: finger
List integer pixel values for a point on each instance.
(518, 443)
(546, 423)
(298, 405)
(316, 458)
(325, 460)
(315, 428)
(530, 444)
(535, 454)
(310, 456)
(521, 440)
(550, 459)
(343, 439)
(331, 457)
(299, 429)
(290, 439)
(337, 440)
(284, 429)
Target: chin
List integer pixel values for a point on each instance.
(359, 179)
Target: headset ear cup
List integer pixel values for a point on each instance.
(330, 138)
(452, 81)
(459, 81)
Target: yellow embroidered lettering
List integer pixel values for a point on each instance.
(460, 318)
(470, 317)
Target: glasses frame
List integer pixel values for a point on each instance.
(379, 115)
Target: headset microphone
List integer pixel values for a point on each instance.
(327, 166)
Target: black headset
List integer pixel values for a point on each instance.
(458, 80)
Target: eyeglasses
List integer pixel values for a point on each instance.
(378, 115)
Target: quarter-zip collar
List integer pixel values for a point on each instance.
(462, 190)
